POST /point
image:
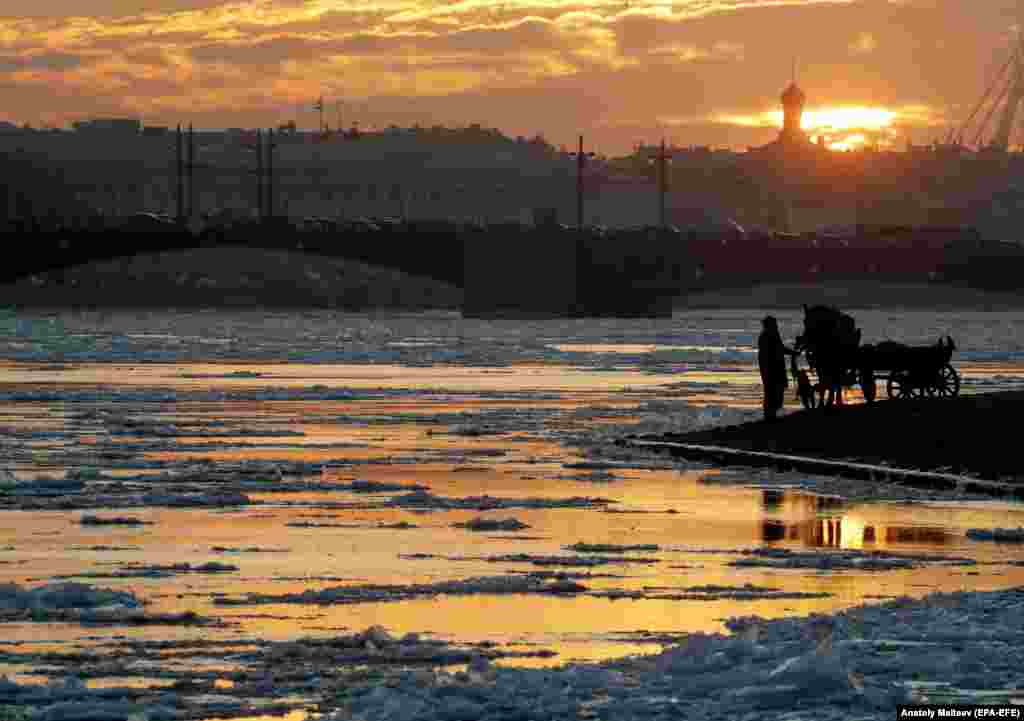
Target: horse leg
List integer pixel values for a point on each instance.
(831, 402)
(830, 394)
(867, 384)
(829, 378)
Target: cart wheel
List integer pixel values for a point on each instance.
(898, 385)
(948, 384)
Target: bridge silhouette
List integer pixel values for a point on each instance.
(433, 255)
(509, 270)
(504, 270)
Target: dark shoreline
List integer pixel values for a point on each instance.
(973, 435)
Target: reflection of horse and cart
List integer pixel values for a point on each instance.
(831, 344)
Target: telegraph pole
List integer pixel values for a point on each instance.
(180, 179)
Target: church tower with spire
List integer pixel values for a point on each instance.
(792, 137)
(792, 111)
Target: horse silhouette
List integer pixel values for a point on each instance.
(831, 341)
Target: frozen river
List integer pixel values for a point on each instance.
(257, 440)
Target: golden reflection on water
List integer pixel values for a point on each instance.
(713, 518)
(849, 530)
(698, 527)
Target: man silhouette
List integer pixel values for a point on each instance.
(771, 361)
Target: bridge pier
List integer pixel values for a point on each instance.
(519, 274)
(552, 273)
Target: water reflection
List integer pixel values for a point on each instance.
(799, 504)
(771, 499)
(813, 521)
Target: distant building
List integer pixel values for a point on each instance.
(792, 111)
(793, 141)
(800, 185)
(126, 126)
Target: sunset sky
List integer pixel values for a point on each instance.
(697, 71)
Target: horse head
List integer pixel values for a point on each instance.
(826, 325)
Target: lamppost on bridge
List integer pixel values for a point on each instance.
(263, 172)
(193, 213)
(191, 167)
(662, 159)
(270, 174)
(319, 107)
(580, 160)
(180, 180)
(259, 174)
(318, 172)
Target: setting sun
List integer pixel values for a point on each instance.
(849, 128)
(824, 119)
(841, 127)
(845, 118)
(849, 142)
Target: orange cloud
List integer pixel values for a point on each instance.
(607, 65)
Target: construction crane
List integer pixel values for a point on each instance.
(1005, 93)
(1003, 97)
(1001, 140)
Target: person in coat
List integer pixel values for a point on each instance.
(771, 361)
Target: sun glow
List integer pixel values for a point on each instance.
(848, 142)
(850, 128)
(840, 128)
(845, 118)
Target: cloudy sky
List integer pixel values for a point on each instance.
(697, 71)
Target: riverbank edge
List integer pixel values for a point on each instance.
(968, 436)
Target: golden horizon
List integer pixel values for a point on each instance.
(532, 66)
